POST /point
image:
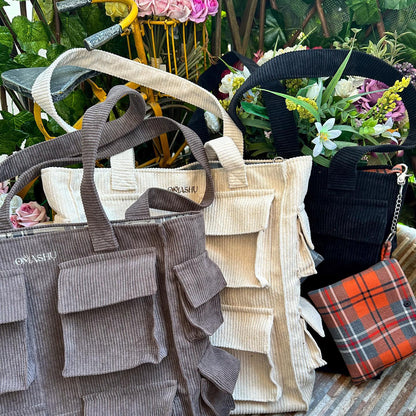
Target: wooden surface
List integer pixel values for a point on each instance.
(394, 394)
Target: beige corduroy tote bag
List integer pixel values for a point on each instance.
(257, 232)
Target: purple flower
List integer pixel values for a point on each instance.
(365, 103)
(199, 11)
(212, 7)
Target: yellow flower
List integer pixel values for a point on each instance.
(238, 82)
(225, 103)
(303, 113)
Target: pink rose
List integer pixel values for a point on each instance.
(161, 7)
(180, 10)
(13, 219)
(199, 11)
(30, 213)
(212, 7)
(146, 7)
(4, 187)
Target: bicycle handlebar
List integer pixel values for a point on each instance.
(68, 5)
(100, 38)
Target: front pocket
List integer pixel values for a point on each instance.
(306, 264)
(200, 282)
(17, 364)
(219, 372)
(110, 312)
(236, 224)
(246, 334)
(310, 316)
(152, 399)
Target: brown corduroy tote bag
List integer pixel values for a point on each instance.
(111, 318)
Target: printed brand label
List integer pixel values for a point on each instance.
(35, 258)
(184, 189)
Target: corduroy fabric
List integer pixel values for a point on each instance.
(256, 237)
(350, 208)
(372, 318)
(106, 321)
(259, 235)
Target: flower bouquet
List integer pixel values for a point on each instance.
(330, 113)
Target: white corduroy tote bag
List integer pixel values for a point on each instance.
(257, 232)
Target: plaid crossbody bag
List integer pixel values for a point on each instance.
(371, 315)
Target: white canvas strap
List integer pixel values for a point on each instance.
(228, 150)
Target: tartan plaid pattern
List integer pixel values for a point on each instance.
(371, 317)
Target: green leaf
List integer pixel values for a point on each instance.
(254, 109)
(6, 62)
(259, 148)
(73, 32)
(344, 127)
(303, 104)
(365, 11)
(32, 36)
(17, 121)
(6, 39)
(30, 141)
(396, 4)
(254, 122)
(47, 9)
(93, 18)
(31, 60)
(340, 144)
(3, 3)
(334, 81)
(273, 32)
(320, 160)
(72, 107)
(54, 50)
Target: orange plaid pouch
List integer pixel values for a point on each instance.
(371, 317)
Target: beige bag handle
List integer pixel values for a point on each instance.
(153, 78)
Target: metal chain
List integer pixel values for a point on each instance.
(401, 181)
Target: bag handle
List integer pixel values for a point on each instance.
(99, 227)
(69, 145)
(129, 70)
(324, 62)
(283, 123)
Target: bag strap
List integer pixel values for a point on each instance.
(69, 145)
(209, 80)
(99, 227)
(325, 62)
(145, 75)
(283, 123)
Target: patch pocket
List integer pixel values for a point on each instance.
(306, 264)
(310, 316)
(219, 372)
(155, 399)
(110, 312)
(246, 334)
(236, 228)
(200, 282)
(17, 363)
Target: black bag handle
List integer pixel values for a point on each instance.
(319, 63)
(210, 80)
